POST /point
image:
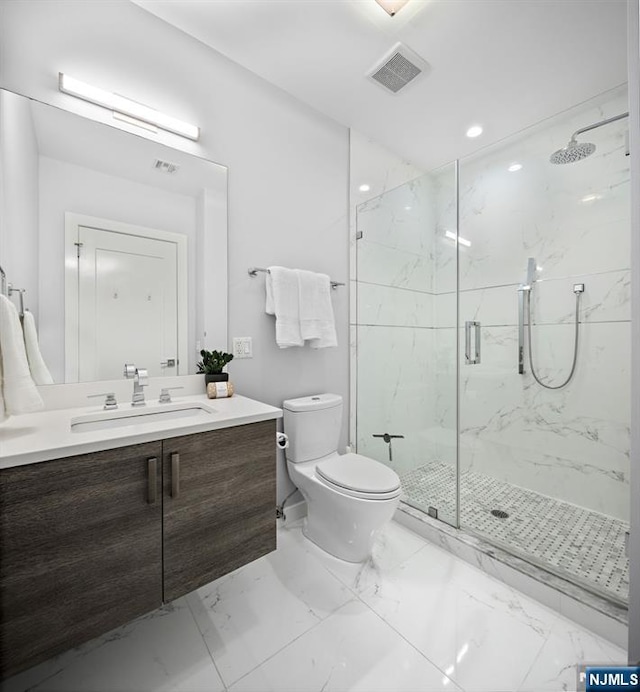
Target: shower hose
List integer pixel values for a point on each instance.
(575, 346)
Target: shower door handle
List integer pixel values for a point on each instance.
(468, 359)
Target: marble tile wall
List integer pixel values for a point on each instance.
(373, 171)
(395, 323)
(573, 443)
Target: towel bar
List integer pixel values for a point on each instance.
(253, 271)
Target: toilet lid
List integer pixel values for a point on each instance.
(355, 472)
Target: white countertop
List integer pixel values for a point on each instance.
(47, 435)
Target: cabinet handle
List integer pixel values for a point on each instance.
(152, 479)
(175, 474)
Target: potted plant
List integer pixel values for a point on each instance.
(212, 364)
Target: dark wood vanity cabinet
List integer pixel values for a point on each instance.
(219, 504)
(88, 542)
(80, 551)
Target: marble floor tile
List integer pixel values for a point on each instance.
(354, 650)
(159, 652)
(392, 545)
(252, 613)
(478, 631)
(554, 669)
(413, 619)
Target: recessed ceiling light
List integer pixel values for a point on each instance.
(474, 131)
(407, 208)
(591, 198)
(364, 188)
(514, 167)
(392, 6)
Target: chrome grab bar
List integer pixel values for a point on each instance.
(467, 342)
(521, 292)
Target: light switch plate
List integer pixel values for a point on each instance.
(242, 347)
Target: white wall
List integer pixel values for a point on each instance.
(19, 200)
(288, 164)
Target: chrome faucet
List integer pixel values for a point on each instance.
(140, 378)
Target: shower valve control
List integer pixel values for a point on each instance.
(578, 288)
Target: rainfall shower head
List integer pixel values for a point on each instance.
(574, 151)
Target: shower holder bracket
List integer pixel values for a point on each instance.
(578, 288)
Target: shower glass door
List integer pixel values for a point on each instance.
(544, 473)
(406, 338)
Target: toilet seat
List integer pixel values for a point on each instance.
(359, 476)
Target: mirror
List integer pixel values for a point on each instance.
(120, 243)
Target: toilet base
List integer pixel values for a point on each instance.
(342, 525)
(347, 557)
(349, 530)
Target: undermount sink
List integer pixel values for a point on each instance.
(105, 420)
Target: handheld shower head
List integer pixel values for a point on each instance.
(532, 268)
(530, 277)
(574, 151)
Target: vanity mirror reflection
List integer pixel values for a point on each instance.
(119, 242)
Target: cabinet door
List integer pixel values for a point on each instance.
(219, 503)
(80, 550)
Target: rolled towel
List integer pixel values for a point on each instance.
(282, 301)
(317, 323)
(39, 370)
(18, 389)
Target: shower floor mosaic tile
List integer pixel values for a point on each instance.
(575, 542)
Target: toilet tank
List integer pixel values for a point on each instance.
(312, 424)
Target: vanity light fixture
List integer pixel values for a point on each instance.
(127, 107)
(391, 7)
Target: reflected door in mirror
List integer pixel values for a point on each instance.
(127, 307)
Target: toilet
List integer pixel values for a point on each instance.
(349, 497)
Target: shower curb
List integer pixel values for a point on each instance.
(603, 617)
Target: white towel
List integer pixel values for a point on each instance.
(3, 411)
(282, 301)
(18, 389)
(317, 323)
(39, 370)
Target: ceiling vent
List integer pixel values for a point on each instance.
(165, 166)
(399, 67)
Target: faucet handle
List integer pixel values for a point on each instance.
(142, 377)
(165, 397)
(129, 370)
(110, 402)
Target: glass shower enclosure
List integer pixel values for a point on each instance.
(468, 275)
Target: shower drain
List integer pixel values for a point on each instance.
(500, 513)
